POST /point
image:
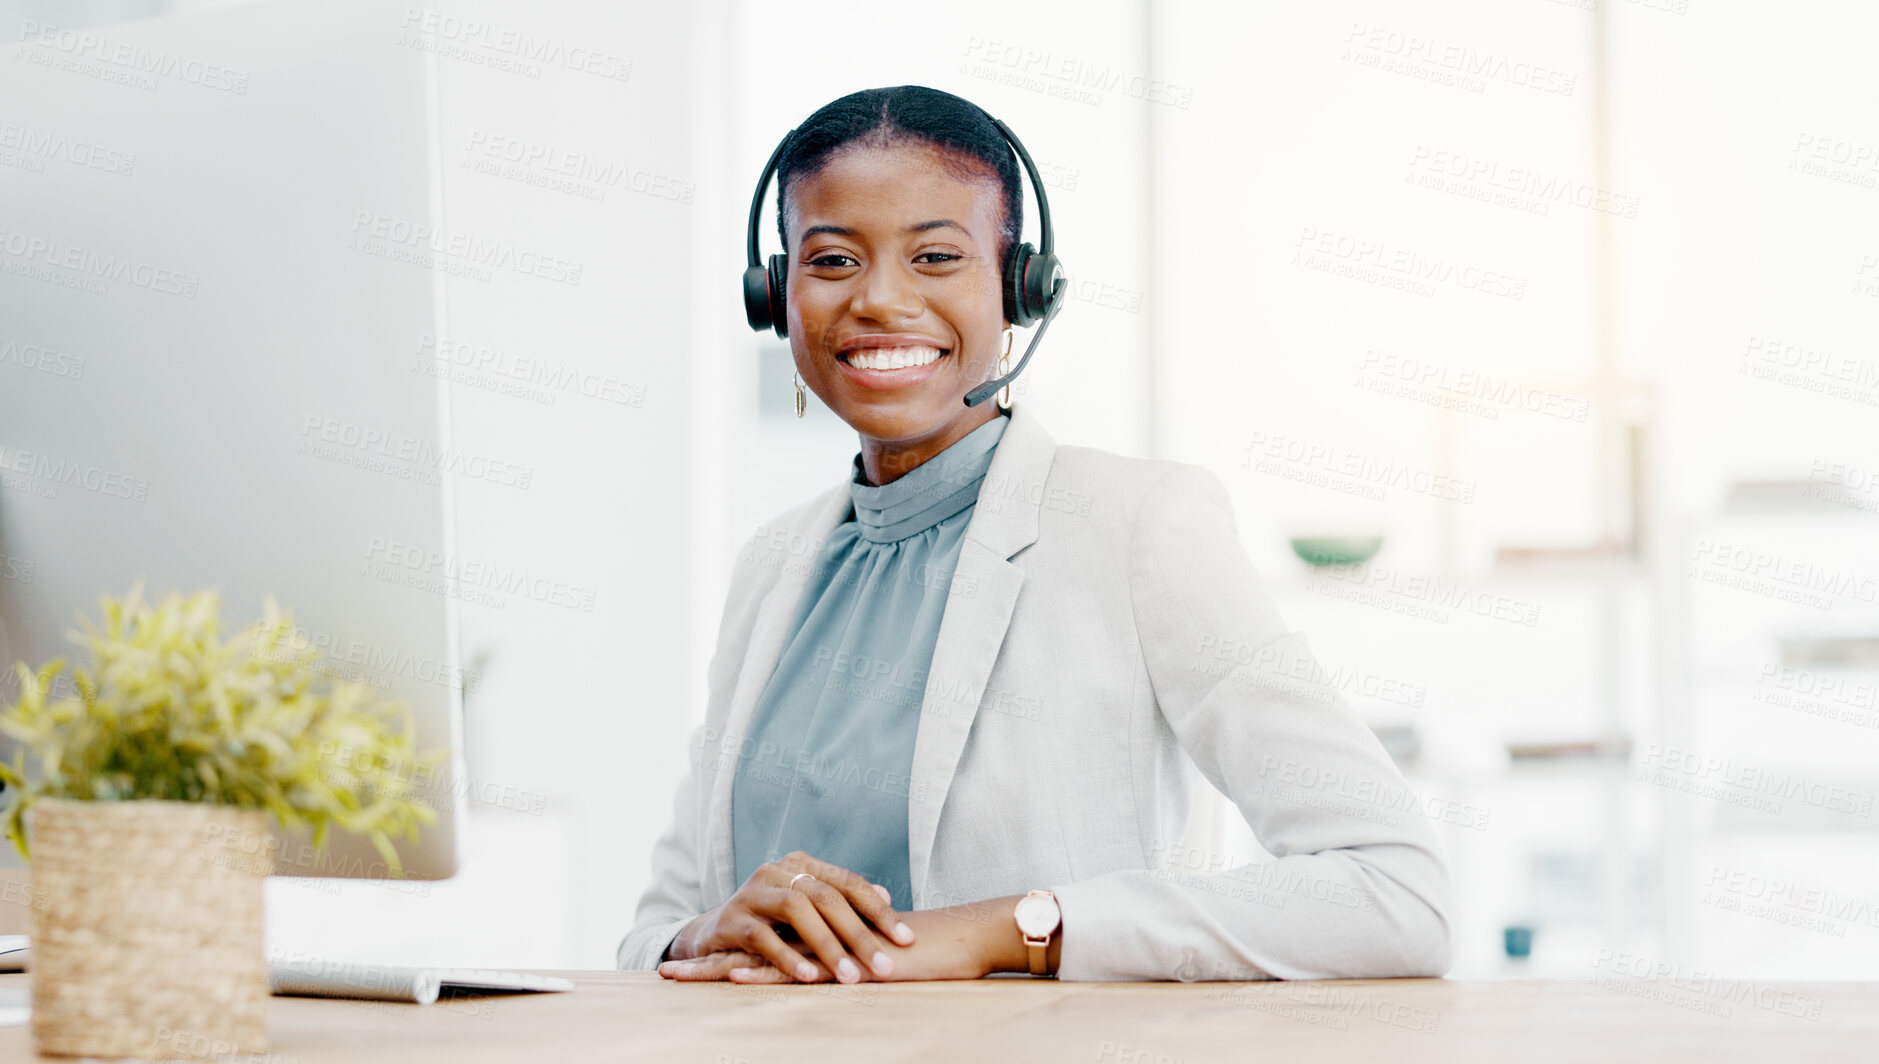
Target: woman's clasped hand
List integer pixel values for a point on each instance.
(798, 901)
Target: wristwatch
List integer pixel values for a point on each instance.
(1038, 917)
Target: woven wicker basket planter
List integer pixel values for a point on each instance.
(148, 933)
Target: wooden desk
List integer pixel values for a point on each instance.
(634, 1016)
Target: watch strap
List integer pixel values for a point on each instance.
(1037, 949)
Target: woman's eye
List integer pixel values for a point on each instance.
(832, 259)
(937, 256)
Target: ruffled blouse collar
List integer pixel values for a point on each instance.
(937, 489)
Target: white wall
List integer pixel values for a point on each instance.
(1748, 289)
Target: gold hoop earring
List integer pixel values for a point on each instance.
(802, 401)
(1004, 359)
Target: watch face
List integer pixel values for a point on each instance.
(1037, 917)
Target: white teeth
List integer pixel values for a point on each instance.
(892, 357)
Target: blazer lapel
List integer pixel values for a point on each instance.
(985, 591)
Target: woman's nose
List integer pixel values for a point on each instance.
(888, 294)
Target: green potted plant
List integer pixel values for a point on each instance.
(142, 801)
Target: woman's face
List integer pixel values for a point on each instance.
(894, 301)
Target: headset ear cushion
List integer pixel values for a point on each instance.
(1040, 283)
(757, 297)
(1016, 310)
(779, 281)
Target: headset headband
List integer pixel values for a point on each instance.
(1046, 238)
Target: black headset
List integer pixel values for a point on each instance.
(1033, 278)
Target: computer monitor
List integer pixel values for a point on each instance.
(211, 360)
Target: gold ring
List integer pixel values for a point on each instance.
(797, 876)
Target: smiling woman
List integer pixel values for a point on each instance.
(863, 803)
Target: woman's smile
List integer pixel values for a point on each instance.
(884, 361)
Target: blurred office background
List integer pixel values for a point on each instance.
(1572, 302)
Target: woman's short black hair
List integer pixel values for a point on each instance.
(882, 118)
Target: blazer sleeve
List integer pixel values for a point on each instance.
(674, 896)
(676, 893)
(1358, 886)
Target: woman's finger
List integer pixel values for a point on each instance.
(847, 926)
(810, 909)
(711, 966)
(862, 895)
(761, 973)
(763, 940)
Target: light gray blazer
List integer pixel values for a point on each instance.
(1105, 638)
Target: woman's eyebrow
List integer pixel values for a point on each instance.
(919, 227)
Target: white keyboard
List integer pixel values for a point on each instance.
(322, 977)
